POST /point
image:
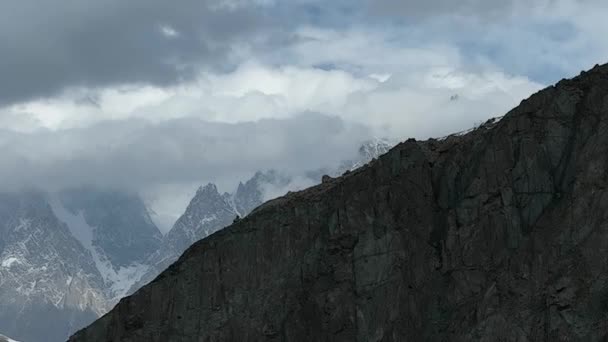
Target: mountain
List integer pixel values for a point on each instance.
(497, 234)
(116, 228)
(6, 339)
(49, 285)
(95, 246)
(368, 151)
(124, 233)
(66, 258)
(210, 211)
(251, 194)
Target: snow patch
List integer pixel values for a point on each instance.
(119, 280)
(7, 263)
(76, 223)
(23, 224)
(208, 218)
(122, 279)
(232, 203)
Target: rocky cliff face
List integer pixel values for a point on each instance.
(499, 234)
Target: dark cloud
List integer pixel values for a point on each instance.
(48, 45)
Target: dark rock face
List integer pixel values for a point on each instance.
(500, 234)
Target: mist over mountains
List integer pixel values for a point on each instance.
(67, 257)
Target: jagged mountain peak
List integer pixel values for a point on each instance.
(210, 188)
(374, 148)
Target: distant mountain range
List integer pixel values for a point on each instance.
(68, 257)
(210, 211)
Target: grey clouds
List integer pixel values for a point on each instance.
(49, 45)
(136, 154)
(152, 94)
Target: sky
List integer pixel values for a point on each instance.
(158, 97)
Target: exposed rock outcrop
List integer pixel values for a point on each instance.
(499, 234)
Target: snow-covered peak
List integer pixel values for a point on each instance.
(118, 279)
(374, 148)
(46, 274)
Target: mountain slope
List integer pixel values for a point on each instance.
(209, 211)
(67, 258)
(49, 285)
(497, 234)
(6, 339)
(115, 228)
(124, 233)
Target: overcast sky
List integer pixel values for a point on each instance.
(154, 95)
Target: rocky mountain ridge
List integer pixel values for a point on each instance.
(210, 211)
(500, 233)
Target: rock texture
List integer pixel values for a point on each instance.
(124, 233)
(67, 258)
(497, 235)
(49, 285)
(210, 211)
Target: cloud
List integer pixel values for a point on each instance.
(270, 191)
(48, 46)
(136, 154)
(160, 97)
(51, 46)
(496, 10)
(168, 31)
(222, 127)
(412, 8)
